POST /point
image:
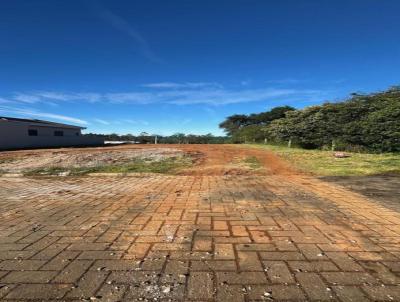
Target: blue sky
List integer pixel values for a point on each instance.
(182, 66)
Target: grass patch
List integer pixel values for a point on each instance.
(165, 166)
(252, 162)
(323, 163)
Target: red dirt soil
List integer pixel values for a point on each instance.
(209, 159)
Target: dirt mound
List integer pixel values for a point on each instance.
(84, 158)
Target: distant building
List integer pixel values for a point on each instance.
(18, 133)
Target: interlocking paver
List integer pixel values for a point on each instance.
(276, 292)
(313, 285)
(29, 277)
(350, 293)
(38, 291)
(195, 238)
(201, 286)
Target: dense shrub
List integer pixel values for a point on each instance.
(361, 123)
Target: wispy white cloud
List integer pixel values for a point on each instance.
(186, 94)
(100, 121)
(287, 81)
(120, 122)
(188, 85)
(28, 112)
(135, 122)
(213, 97)
(224, 97)
(27, 98)
(130, 97)
(5, 101)
(49, 97)
(123, 26)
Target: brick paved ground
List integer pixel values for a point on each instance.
(194, 238)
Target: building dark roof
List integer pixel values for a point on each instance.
(39, 122)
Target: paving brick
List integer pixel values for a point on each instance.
(88, 284)
(278, 272)
(155, 262)
(29, 277)
(131, 277)
(224, 251)
(394, 266)
(239, 231)
(201, 286)
(21, 265)
(106, 255)
(350, 293)
(137, 251)
(311, 252)
(255, 247)
(12, 255)
(281, 256)
(312, 266)
(203, 244)
(98, 246)
(230, 293)
(379, 293)
(38, 291)
(50, 252)
(111, 292)
(381, 272)
(220, 225)
(314, 287)
(242, 278)
(60, 261)
(5, 289)
(349, 278)
(73, 271)
(276, 292)
(116, 265)
(344, 262)
(213, 265)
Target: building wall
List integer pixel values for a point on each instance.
(14, 135)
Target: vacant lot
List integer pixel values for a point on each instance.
(236, 224)
(82, 161)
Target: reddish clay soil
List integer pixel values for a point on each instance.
(209, 159)
(221, 159)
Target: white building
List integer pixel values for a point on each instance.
(17, 133)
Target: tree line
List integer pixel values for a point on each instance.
(363, 122)
(177, 138)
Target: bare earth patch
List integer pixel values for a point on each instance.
(85, 158)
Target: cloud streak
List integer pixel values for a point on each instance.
(182, 94)
(28, 112)
(5, 101)
(188, 85)
(123, 26)
(100, 121)
(288, 81)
